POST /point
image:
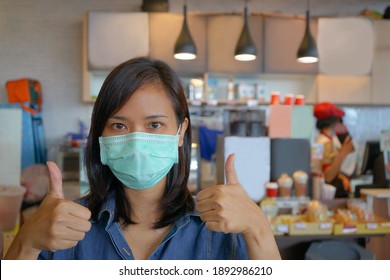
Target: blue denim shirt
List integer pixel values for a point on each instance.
(188, 239)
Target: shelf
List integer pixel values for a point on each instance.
(215, 103)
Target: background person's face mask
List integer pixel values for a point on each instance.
(139, 160)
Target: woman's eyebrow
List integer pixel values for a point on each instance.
(156, 116)
(119, 118)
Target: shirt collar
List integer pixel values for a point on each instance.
(326, 135)
(109, 210)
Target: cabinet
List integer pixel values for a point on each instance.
(164, 29)
(282, 38)
(108, 40)
(354, 52)
(346, 46)
(381, 63)
(223, 33)
(359, 74)
(115, 37)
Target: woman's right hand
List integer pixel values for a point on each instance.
(57, 224)
(347, 146)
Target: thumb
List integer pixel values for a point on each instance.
(55, 188)
(230, 171)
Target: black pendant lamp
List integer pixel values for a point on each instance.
(307, 52)
(245, 48)
(185, 48)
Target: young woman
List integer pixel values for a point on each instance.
(139, 206)
(328, 117)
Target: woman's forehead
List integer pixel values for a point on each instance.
(149, 100)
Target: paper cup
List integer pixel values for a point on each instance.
(289, 99)
(275, 98)
(300, 100)
(271, 189)
(328, 192)
(11, 198)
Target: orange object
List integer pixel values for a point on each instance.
(300, 100)
(275, 98)
(289, 99)
(327, 110)
(25, 91)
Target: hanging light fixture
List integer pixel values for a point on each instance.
(307, 52)
(185, 48)
(245, 48)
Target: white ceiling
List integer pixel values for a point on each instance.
(323, 8)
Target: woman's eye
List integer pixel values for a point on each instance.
(118, 126)
(155, 125)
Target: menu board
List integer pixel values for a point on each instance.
(251, 162)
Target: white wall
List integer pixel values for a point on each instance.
(41, 39)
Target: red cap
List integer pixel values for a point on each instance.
(327, 110)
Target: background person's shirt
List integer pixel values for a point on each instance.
(331, 148)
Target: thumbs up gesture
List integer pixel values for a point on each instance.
(57, 224)
(227, 208)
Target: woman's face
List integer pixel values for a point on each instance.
(148, 110)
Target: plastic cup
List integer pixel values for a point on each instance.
(271, 189)
(328, 192)
(289, 99)
(11, 198)
(275, 98)
(284, 191)
(300, 189)
(285, 185)
(300, 100)
(300, 183)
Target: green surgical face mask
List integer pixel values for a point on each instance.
(139, 160)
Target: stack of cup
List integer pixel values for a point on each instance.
(300, 183)
(285, 185)
(318, 181)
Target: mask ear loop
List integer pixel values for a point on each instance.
(178, 131)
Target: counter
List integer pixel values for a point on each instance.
(377, 193)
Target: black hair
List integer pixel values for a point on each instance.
(116, 90)
(327, 122)
(386, 13)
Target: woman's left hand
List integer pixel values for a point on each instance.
(227, 208)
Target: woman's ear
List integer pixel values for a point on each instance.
(182, 132)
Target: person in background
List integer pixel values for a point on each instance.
(139, 207)
(329, 118)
